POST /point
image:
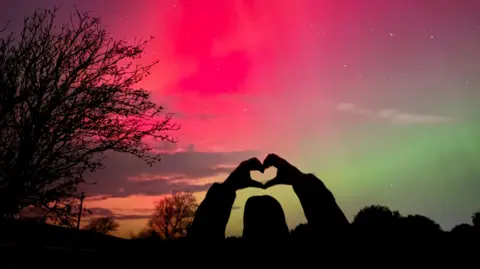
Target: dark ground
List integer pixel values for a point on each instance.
(31, 245)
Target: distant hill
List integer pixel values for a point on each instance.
(22, 233)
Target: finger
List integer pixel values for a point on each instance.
(255, 184)
(252, 164)
(272, 159)
(273, 182)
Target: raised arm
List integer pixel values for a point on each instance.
(319, 205)
(213, 213)
(324, 216)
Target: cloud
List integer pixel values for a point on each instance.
(100, 212)
(188, 169)
(140, 213)
(408, 119)
(387, 113)
(131, 217)
(97, 197)
(346, 107)
(395, 116)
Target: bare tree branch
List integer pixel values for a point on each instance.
(5, 27)
(66, 97)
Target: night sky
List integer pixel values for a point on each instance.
(379, 99)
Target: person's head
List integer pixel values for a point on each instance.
(264, 219)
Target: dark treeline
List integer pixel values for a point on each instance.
(372, 222)
(374, 228)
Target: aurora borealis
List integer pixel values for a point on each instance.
(377, 98)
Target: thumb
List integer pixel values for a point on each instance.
(256, 184)
(273, 182)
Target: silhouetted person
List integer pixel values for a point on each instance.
(301, 232)
(263, 218)
(321, 210)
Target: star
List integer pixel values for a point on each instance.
(391, 34)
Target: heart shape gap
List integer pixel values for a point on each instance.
(269, 174)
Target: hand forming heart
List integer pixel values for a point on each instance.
(240, 178)
(287, 174)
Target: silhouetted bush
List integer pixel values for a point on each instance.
(376, 219)
(476, 219)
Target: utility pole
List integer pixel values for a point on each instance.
(80, 211)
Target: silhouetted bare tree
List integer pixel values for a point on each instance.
(67, 97)
(102, 225)
(174, 215)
